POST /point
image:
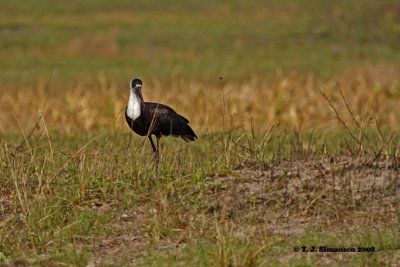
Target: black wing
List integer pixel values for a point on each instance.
(168, 122)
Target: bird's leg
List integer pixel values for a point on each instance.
(158, 147)
(152, 144)
(155, 150)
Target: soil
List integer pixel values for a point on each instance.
(289, 199)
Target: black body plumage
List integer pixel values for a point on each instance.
(159, 119)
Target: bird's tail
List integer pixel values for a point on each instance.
(188, 134)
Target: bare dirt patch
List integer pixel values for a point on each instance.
(308, 192)
(286, 199)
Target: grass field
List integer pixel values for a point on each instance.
(62, 42)
(296, 105)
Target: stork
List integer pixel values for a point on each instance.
(147, 119)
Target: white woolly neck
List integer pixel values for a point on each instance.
(134, 103)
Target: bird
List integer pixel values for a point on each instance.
(148, 118)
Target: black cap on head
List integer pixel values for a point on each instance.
(135, 82)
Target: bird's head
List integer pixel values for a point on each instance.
(136, 84)
(136, 87)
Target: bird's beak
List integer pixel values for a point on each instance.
(138, 90)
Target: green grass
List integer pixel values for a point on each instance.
(233, 252)
(76, 201)
(64, 42)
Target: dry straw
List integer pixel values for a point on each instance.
(292, 99)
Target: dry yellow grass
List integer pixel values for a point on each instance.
(293, 99)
